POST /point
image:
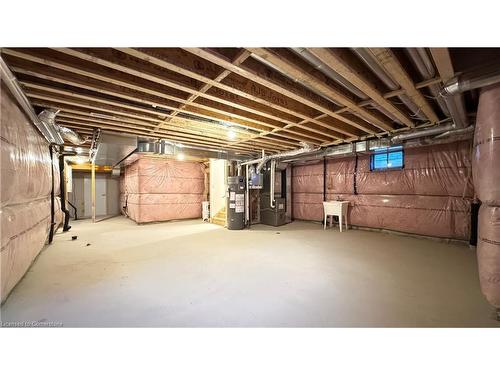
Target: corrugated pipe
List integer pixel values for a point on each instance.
(422, 133)
(48, 117)
(12, 83)
(466, 82)
(370, 61)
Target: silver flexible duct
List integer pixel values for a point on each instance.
(48, 117)
(13, 85)
(370, 61)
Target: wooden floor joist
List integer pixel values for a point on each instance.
(237, 102)
(335, 61)
(269, 98)
(388, 60)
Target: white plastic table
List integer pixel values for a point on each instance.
(336, 208)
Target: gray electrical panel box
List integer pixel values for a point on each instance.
(274, 216)
(236, 202)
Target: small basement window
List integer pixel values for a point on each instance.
(388, 159)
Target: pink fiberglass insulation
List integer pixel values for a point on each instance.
(160, 189)
(488, 253)
(423, 198)
(26, 177)
(486, 172)
(486, 161)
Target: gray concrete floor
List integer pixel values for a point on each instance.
(194, 274)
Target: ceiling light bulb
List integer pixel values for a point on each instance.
(231, 134)
(180, 156)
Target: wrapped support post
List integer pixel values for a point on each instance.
(486, 174)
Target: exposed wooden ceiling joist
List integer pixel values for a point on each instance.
(281, 87)
(311, 81)
(271, 98)
(237, 60)
(333, 59)
(108, 76)
(242, 99)
(388, 60)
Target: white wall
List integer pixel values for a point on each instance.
(218, 185)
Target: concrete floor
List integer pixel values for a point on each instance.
(194, 274)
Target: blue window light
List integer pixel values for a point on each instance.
(387, 160)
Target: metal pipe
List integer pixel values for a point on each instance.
(247, 198)
(333, 75)
(52, 195)
(271, 190)
(471, 81)
(15, 88)
(265, 158)
(329, 72)
(466, 82)
(48, 117)
(370, 61)
(422, 133)
(423, 64)
(449, 133)
(62, 192)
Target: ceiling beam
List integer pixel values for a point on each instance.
(261, 78)
(442, 59)
(237, 89)
(123, 89)
(190, 128)
(307, 79)
(56, 101)
(388, 60)
(335, 61)
(91, 72)
(242, 56)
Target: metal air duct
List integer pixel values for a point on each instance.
(48, 117)
(332, 74)
(423, 63)
(49, 132)
(422, 133)
(306, 149)
(466, 82)
(370, 61)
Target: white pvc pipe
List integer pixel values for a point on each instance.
(247, 199)
(273, 170)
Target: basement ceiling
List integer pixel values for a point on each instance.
(243, 100)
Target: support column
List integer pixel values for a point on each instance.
(92, 193)
(486, 178)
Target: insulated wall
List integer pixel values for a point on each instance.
(26, 185)
(486, 172)
(160, 189)
(430, 196)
